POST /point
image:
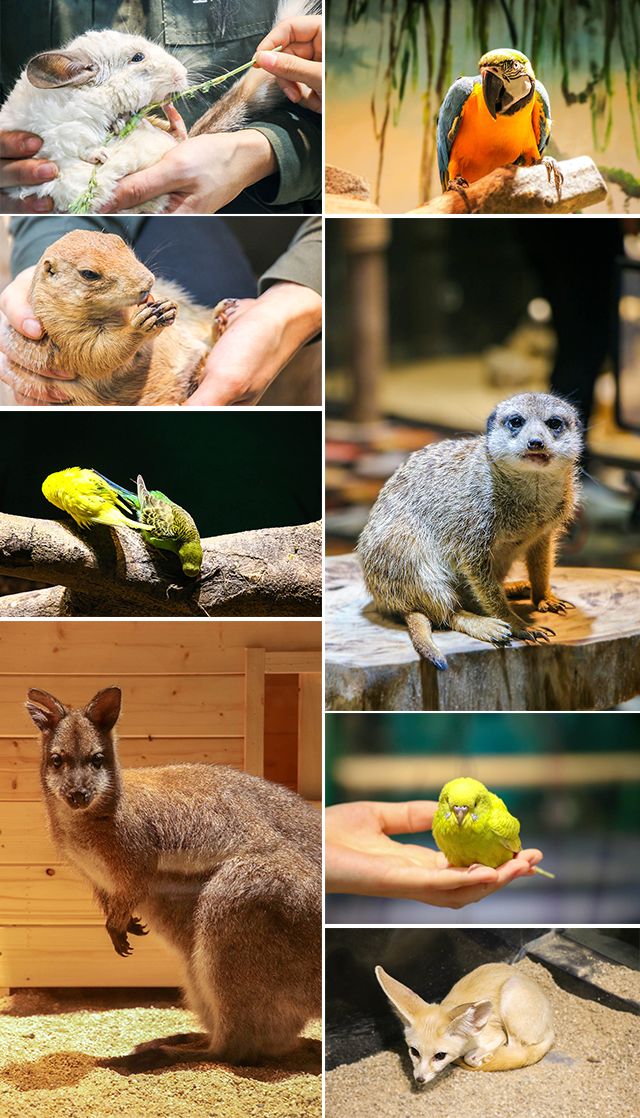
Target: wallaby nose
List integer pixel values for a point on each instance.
(460, 813)
(535, 444)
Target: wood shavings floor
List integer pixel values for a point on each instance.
(53, 1043)
(588, 1074)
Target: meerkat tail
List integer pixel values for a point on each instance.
(421, 635)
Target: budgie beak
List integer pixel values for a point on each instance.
(460, 813)
(492, 91)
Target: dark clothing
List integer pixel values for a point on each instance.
(209, 37)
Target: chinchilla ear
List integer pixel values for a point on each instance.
(104, 708)
(53, 712)
(55, 68)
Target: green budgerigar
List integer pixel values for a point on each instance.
(165, 525)
(87, 497)
(473, 825)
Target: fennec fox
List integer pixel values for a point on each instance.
(224, 865)
(448, 525)
(493, 1019)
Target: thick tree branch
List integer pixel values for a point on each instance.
(274, 572)
(526, 190)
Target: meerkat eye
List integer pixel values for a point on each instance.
(97, 760)
(440, 1056)
(555, 423)
(414, 1052)
(56, 760)
(515, 422)
(139, 57)
(87, 274)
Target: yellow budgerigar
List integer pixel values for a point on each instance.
(87, 497)
(473, 825)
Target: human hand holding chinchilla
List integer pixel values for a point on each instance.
(19, 167)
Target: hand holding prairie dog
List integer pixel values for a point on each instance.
(298, 65)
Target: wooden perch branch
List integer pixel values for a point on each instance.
(274, 572)
(526, 190)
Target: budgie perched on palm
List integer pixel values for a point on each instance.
(87, 497)
(165, 525)
(473, 825)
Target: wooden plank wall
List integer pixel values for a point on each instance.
(186, 697)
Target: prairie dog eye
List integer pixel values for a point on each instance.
(440, 1056)
(414, 1052)
(87, 274)
(138, 57)
(56, 760)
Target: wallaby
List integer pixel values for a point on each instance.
(494, 1019)
(224, 865)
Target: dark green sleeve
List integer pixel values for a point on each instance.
(301, 262)
(32, 235)
(296, 138)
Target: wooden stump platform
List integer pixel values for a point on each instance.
(593, 662)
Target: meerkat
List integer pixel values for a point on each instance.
(449, 523)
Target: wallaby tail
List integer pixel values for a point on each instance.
(510, 1056)
(421, 635)
(256, 91)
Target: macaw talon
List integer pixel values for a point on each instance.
(460, 186)
(553, 172)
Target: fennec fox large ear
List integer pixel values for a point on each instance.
(470, 1018)
(406, 1004)
(104, 708)
(47, 718)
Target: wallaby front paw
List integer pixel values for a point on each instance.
(137, 928)
(154, 316)
(551, 604)
(120, 942)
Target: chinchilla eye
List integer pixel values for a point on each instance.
(87, 274)
(440, 1056)
(56, 760)
(97, 760)
(139, 57)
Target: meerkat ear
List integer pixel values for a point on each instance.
(104, 708)
(55, 68)
(491, 422)
(53, 712)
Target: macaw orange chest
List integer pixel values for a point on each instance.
(482, 143)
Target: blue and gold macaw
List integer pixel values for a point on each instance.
(500, 116)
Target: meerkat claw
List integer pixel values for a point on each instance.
(553, 605)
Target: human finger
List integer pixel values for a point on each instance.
(140, 187)
(178, 126)
(18, 145)
(26, 172)
(298, 33)
(31, 205)
(14, 303)
(291, 68)
(405, 818)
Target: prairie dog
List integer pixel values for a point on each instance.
(450, 522)
(224, 865)
(102, 323)
(494, 1019)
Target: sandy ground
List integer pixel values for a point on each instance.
(588, 1074)
(53, 1043)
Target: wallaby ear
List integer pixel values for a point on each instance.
(53, 712)
(406, 1004)
(104, 708)
(55, 68)
(470, 1018)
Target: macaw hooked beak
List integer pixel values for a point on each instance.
(460, 813)
(492, 91)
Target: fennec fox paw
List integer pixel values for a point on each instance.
(477, 1058)
(120, 942)
(137, 928)
(154, 316)
(222, 314)
(551, 604)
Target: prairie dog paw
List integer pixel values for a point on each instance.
(222, 314)
(551, 604)
(154, 316)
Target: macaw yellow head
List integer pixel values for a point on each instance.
(508, 81)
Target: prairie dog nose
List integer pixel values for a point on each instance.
(535, 444)
(460, 813)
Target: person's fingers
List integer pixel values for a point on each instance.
(301, 33)
(410, 817)
(30, 205)
(291, 68)
(19, 145)
(178, 126)
(140, 187)
(26, 172)
(19, 312)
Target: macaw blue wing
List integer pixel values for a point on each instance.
(449, 122)
(541, 116)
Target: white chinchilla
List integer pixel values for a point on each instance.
(72, 99)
